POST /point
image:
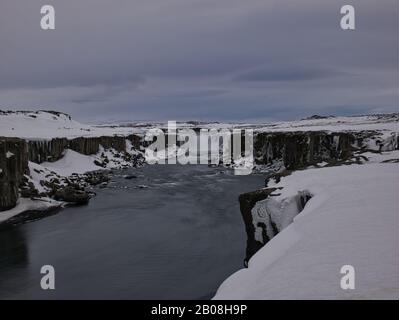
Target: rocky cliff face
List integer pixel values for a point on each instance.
(294, 151)
(299, 149)
(264, 217)
(247, 202)
(13, 166)
(16, 153)
(52, 150)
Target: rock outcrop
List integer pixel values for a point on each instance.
(52, 150)
(264, 217)
(247, 202)
(13, 167)
(73, 195)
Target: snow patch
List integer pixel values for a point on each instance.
(9, 154)
(72, 162)
(25, 204)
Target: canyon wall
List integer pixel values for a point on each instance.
(247, 202)
(15, 154)
(13, 166)
(299, 149)
(52, 150)
(291, 151)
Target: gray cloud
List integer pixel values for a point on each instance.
(287, 74)
(204, 59)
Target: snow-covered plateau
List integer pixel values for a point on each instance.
(51, 124)
(45, 125)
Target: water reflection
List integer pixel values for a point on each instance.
(14, 258)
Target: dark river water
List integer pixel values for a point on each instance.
(177, 239)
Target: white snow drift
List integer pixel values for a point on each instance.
(352, 219)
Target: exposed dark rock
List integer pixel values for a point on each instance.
(95, 178)
(72, 195)
(52, 150)
(46, 150)
(391, 161)
(100, 163)
(269, 230)
(318, 117)
(13, 166)
(247, 202)
(300, 149)
(27, 189)
(130, 176)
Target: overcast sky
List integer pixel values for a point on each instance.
(233, 60)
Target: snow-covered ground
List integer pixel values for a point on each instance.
(385, 122)
(355, 123)
(352, 219)
(47, 125)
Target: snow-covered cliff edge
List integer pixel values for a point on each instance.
(351, 219)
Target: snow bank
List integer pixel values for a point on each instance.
(72, 162)
(352, 218)
(25, 204)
